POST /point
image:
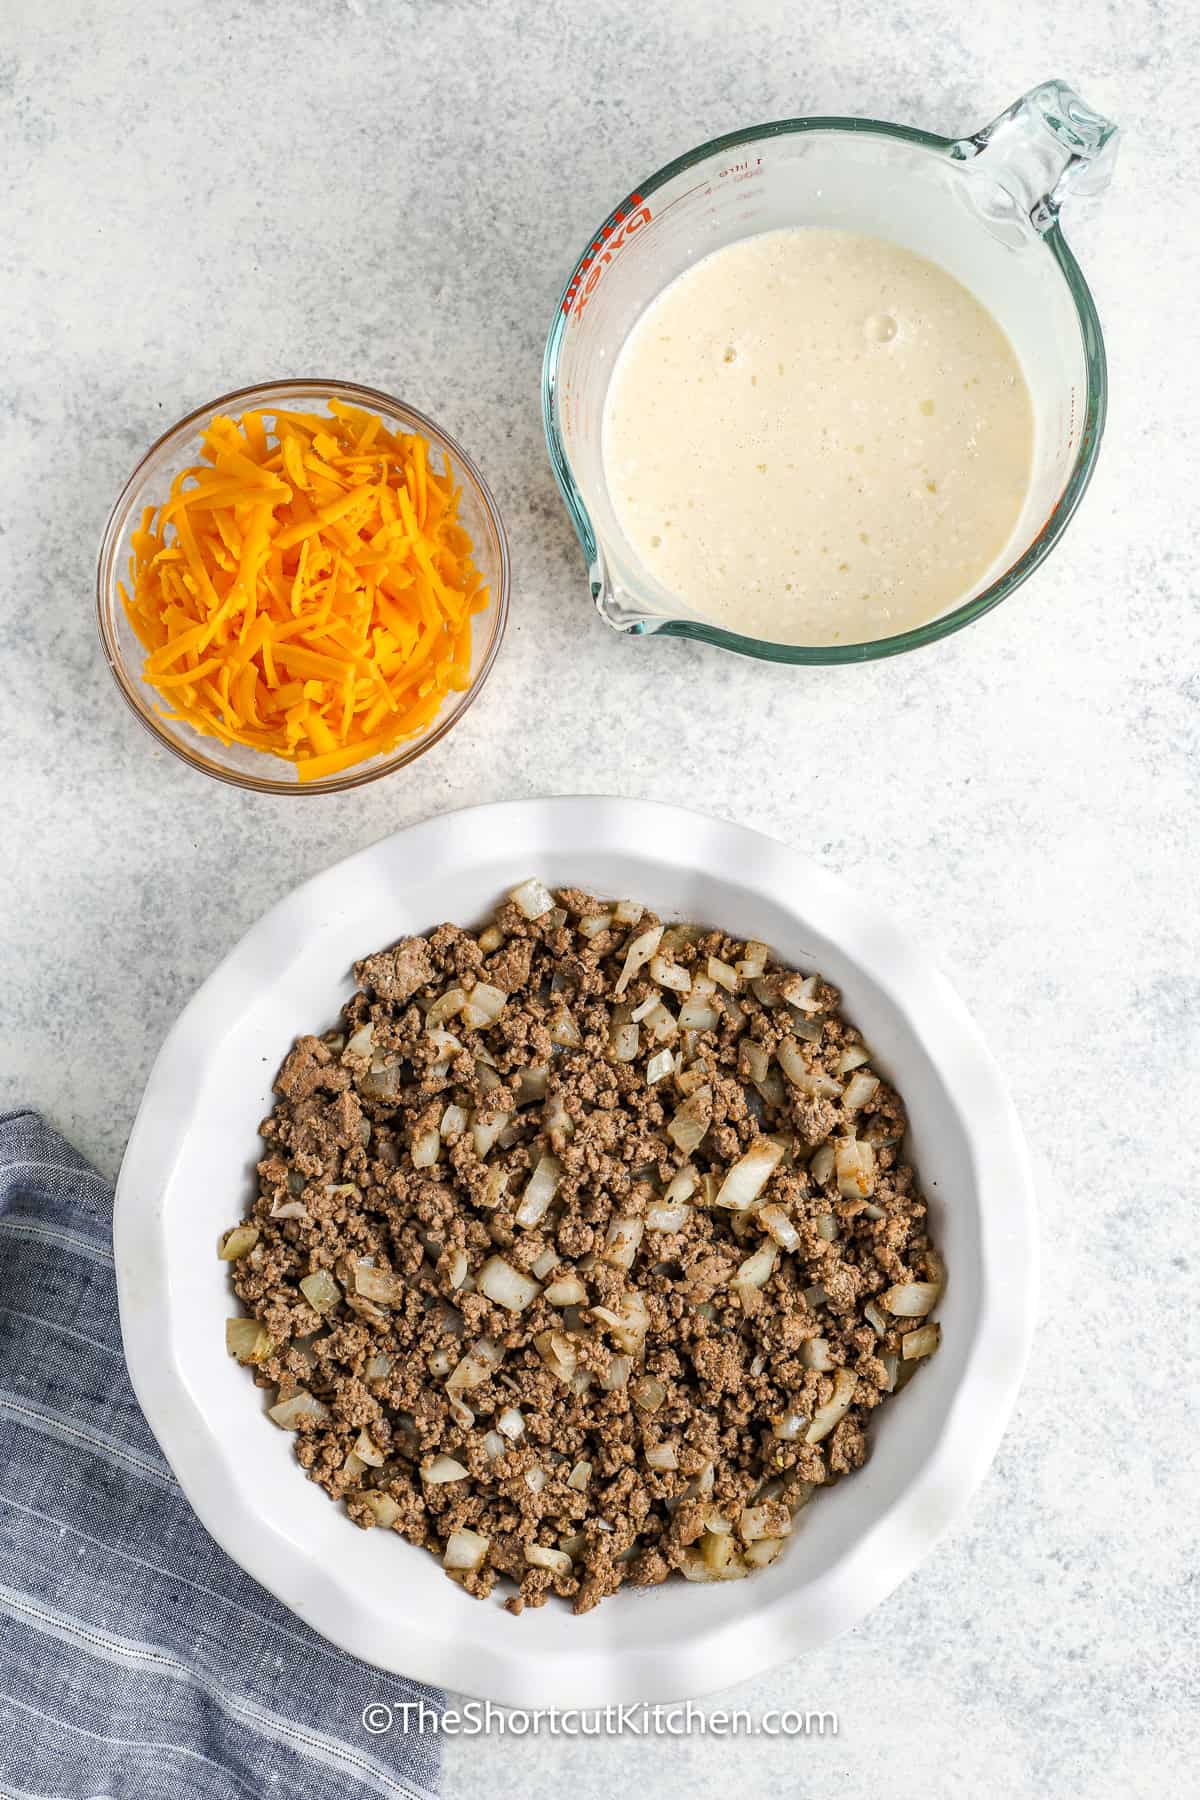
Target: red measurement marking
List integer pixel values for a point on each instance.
(613, 237)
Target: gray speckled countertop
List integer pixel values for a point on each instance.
(198, 197)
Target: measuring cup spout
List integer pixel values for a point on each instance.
(1047, 146)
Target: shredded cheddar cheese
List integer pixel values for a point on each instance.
(307, 590)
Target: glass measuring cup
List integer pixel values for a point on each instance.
(986, 207)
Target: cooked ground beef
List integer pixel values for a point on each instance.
(583, 1249)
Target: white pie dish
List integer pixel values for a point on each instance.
(187, 1174)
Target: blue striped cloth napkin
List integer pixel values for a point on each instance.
(136, 1661)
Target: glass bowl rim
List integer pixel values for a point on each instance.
(765, 650)
(261, 393)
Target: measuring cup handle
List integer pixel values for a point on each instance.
(1048, 145)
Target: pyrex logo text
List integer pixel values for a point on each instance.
(625, 221)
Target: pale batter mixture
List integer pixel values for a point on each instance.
(817, 437)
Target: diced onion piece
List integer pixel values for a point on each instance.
(814, 1354)
(693, 1566)
(485, 1132)
(465, 1550)
(758, 1522)
(688, 1080)
(458, 1269)
(691, 1122)
(800, 1075)
(362, 1041)
(556, 1120)
(723, 973)
(568, 1290)
(921, 1342)
(511, 1422)
(860, 1091)
(774, 1220)
(826, 1227)
(497, 1185)
(535, 1480)
(353, 1465)
(754, 963)
(810, 1031)
(682, 1185)
(580, 1475)
(484, 1005)
(426, 1149)
(366, 1448)
(855, 1164)
(382, 1505)
(853, 1057)
(453, 1121)
(506, 1286)
(564, 1031)
(627, 1320)
(532, 1084)
(748, 1177)
(891, 1368)
(541, 1267)
(758, 1269)
(836, 1408)
(815, 1295)
(494, 1446)
(490, 938)
(628, 912)
(595, 924)
(557, 1561)
(662, 1456)
(698, 1014)
(645, 1007)
(289, 1209)
(636, 956)
(477, 1366)
(800, 991)
(721, 1555)
(532, 898)
(617, 1374)
(621, 1242)
(446, 1006)
(321, 1291)
(441, 1362)
(911, 1299)
(661, 1024)
(380, 1285)
(238, 1243)
(248, 1340)
(661, 1064)
(762, 1552)
(789, 1425)
(288, 1414)
(441, 1469)
(757, 1059)
(557, 1352)
(648, 1393)
(822, 1165)
(623, 1035)
(875, 1319)
(379, 1367)
(670, 974)
(540, 1191)
(668, 1218)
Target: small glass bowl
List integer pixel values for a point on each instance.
(149, 485)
